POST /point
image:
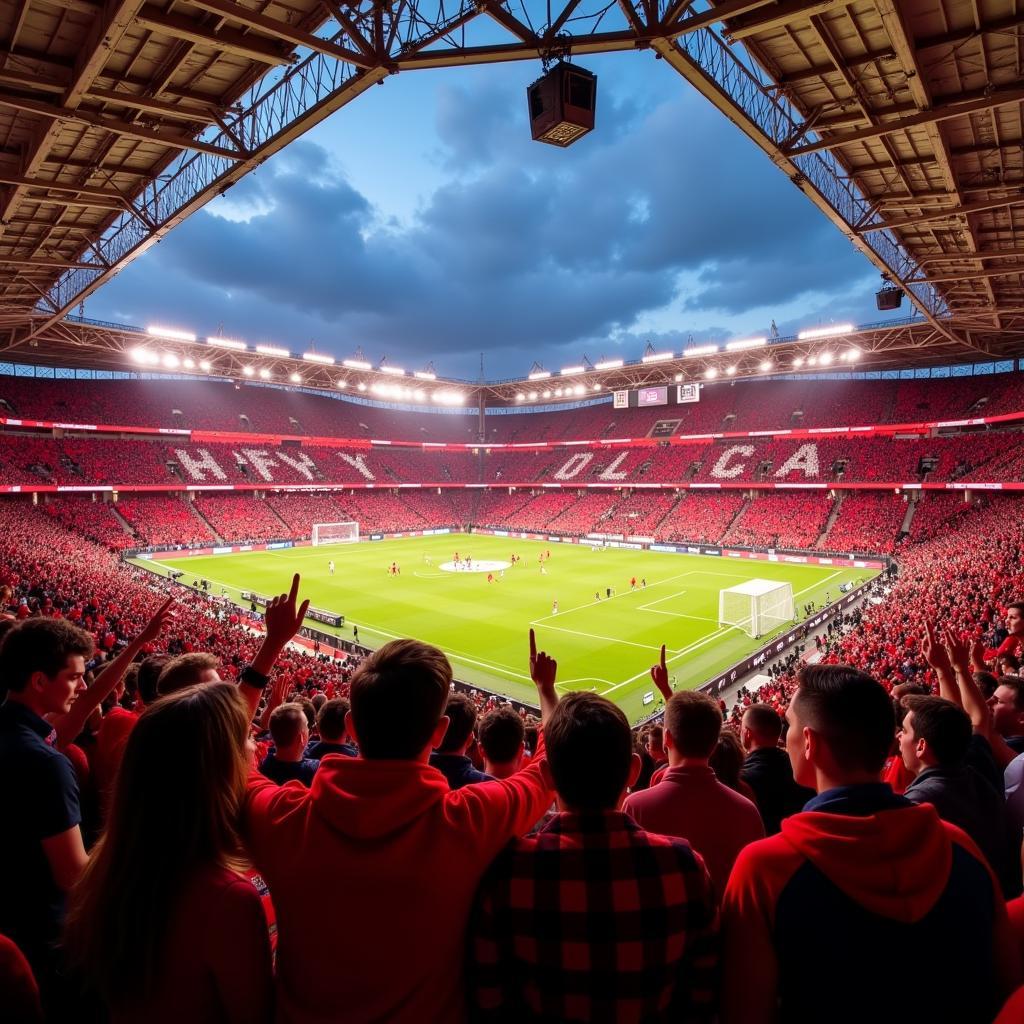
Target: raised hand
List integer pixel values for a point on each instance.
(156, 625)
(283, 621)
(978, 655)
(934, 653)
(659, 673)
(543, 670)
(957, 648)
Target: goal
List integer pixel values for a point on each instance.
(757, 606)
(335, 533)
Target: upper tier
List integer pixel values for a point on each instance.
(723, 407)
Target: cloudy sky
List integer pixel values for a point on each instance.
(421, 223)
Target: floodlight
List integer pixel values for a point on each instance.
(170, 332)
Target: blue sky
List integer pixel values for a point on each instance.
(421, 223)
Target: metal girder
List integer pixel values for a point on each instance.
(953, 211)
(783, 13)
(957, 257)
(278, 29)
(36, 262)
(768, 123)
(927, 43)
(972, 275)
(374, 39)
(56, 186)
(942, 112)
(178, 111)
(720, 12)
(115, 125)
(226, 39)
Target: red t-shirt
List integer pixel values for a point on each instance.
(110, 743)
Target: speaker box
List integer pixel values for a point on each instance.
(562, 104)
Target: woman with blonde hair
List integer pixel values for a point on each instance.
(163, 924)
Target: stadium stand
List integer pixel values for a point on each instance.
(164, 522)
(724, 406)
(780, 521)
(868, 522)
(238, 518)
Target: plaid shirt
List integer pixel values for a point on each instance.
(594, 919)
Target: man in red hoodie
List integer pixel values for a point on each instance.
(858, 884)
(405, 852)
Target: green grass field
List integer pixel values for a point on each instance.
(606, 645)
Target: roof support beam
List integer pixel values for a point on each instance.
(942, 112)
(279, 30)
(175, 111)
(116, 126)
(228, 40)
(972, 275)
(783, 13)
(36, 262)
(53, 186)
(955, 211)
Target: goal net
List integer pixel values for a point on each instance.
(757, 606)
(335, 533)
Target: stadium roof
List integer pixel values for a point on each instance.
(901, 121)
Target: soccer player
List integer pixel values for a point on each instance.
(632, 583)
(643, 583)
(554, 607)
(490, 577)
(330, 567)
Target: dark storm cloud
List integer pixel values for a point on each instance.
(524, 251)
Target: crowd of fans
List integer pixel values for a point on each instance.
(207, 823)
(759, 405)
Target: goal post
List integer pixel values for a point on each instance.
(335, 533)
(757, 606)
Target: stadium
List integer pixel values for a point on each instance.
(597, 687)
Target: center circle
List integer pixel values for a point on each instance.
(474, 566)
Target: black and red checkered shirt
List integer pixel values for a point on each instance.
(594, 919)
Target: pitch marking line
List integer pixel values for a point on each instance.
(598, 636)
(710, 637)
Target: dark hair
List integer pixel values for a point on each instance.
(987, 683)
(163, 826)
(764, 722)
(945, 727)
(308, 709)
(589, 751)
(184, 670)
(149, 672)
(501, 735)
(461, 712)
(694, 721)
(1014, 683)
(330, 719)
(1011, 659)
(286, 724)
(40, 645)
(727, 759)
(398, 695)
(1019, 605)
(850, 711)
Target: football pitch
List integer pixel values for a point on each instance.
(605, 644)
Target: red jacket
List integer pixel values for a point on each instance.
(373, 871)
